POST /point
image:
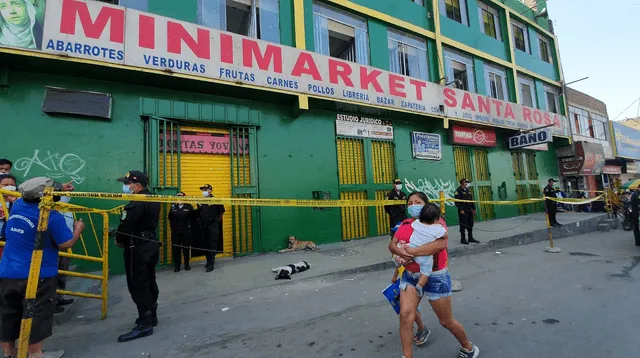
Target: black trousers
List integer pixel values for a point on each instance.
(210, 237)
(140, 266)
(182, 238)
(63, 264)
(636, 230)
(466, 224)
(551, 210)
(395, 219)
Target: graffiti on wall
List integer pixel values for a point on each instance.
(68, 166)
(433, 187)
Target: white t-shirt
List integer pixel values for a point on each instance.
(424, 234)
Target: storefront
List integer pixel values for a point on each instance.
(581, 167)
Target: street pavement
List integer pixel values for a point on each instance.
(517, 302)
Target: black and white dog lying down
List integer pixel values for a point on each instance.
(285, 272)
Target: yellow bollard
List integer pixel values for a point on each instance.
(443, 209)
(105, 263)
(551, 249)
(34, 273)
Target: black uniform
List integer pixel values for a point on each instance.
(397, 213)
(141, 256)
(210, 218)
(466, 219)
(180, 217)
(552, 208)
(635, 215)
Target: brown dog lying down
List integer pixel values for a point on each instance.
(295, 245)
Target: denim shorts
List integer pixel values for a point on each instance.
(438, 286)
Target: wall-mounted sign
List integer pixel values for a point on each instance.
(426, 146)
(474, 136)
(531, 138)
(627, 141)
(612, 169)
(588, 160)
(363, 127)
(490, 111)
(205, 143)
(103, 32)
(538, 147)
(632, 167)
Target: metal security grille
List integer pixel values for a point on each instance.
(244, 180)
(483, 183)
(525, 173)
(534, 181)
(351, 162)
(522, 186)
(384, 171)
(462, 158)
(355, 220)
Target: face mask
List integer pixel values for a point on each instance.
(126, 189)
(398, 186)
(65, 199)
(205, 193)
(414, 210)
(10, 188)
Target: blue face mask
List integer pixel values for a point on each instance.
(126, 189)
(414, 210)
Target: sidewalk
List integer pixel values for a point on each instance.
(334, 260)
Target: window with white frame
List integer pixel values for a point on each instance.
(456, 10)
(407, 55)
(496, 82)
(527, 91)
(579, 120)
(255, 18)
(340, 34)
(600, 126)
(520, 36)
(553, 103)
(489, 21)
(459, 71)
(545, 53)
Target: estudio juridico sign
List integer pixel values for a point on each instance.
(108, 33)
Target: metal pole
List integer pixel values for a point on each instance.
(443, 210)
(105, 264)
(34, 274)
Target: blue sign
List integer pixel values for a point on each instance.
(426, 146)
(627, 141)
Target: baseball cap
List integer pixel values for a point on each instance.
(34, 188)
(553, 180)
(206, 187)
(397, 181)
(464, 180)
(134, 176)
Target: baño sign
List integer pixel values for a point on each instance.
(99, 31)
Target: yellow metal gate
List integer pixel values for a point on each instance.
(473, 164)
(525, 173)
(366, 169)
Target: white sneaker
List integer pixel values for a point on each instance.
(53, 354)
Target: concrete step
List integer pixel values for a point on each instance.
(615, 223)
(604, 226)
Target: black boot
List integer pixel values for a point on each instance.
(142, 329)
(154, 316)
(463, 240)
(209, 267)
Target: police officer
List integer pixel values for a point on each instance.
(210, 218)
(397, 213)
(137, 235)
(180, 216)
(552, 208)
(635, 215)
(466, 212)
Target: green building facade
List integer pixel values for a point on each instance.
(278, 142)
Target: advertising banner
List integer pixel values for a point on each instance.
(627, 141)
(426, 146)
(474, 136)
(363, 127)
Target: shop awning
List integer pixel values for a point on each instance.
(588, 160)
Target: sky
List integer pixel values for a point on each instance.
(601, 39)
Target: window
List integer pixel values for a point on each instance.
(456, 10)
(496, 82)
(407, 55)
(255, 18)
(527, 91)
(339, 34)
(489, 21)
(600, 126)
(544, 50)
(419, 2)
(459, 71)
(520, 36)
(578, 116)
(552, 102)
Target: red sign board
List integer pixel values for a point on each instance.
(588, 160)
(612, 169)
(474, 136)
(206, 143)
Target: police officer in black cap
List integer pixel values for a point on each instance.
(137, 235)
(397, 213)
(210, 218)
(466, 212)
(635, 214)
(550, 192)
(180, 216)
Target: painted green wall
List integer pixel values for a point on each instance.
(185, 10)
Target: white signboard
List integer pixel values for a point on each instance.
(363, 127)
(102, 32)
(532, 138)
(426, 146)
(490, 111)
